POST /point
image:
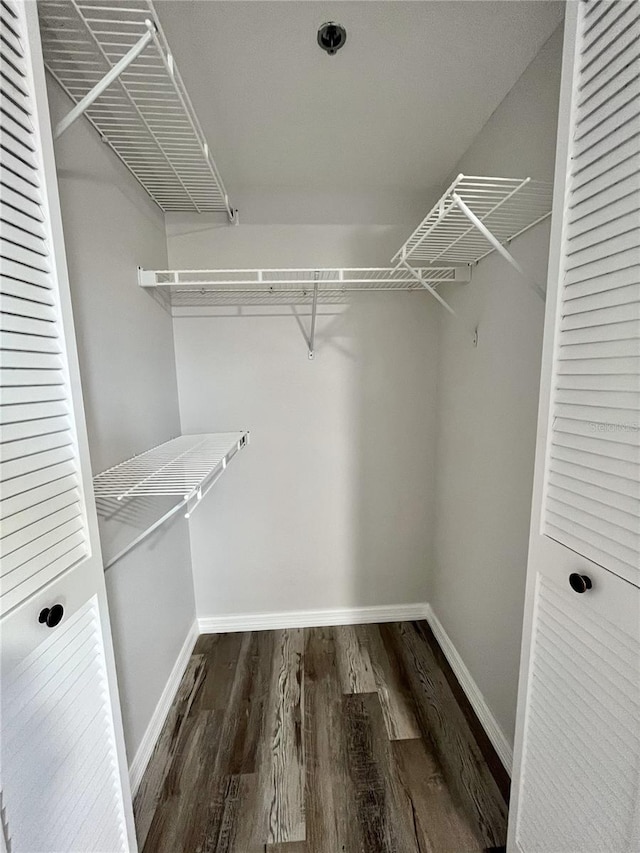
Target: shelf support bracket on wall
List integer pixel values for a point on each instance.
(202, 493)
(497, 245)
(427, 286)
(83, 105)
(314, 312)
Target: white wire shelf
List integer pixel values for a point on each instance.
(145, 113)
(194, 288)
(180, 466)
(186, 467)
(507, 207)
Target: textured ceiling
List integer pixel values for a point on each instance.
(396, 108)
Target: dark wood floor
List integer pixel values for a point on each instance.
(321, 740)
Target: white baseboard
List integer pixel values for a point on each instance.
(472, 691)
(310, 618)
(152, 733)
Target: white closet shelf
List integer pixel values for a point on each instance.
(192, 288)
(114, 62)
(181, 466)
(506, 207)
(186, 467)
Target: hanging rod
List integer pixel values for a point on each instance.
(115, 63)
(176, 289)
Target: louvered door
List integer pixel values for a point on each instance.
(580, 783)
(69, 708)
(592, 500)
(43, 520)
(64, 779)
(576, 782)
(61, 786)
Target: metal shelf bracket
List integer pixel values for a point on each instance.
(427, 286)
(497, 245)
(314, 313)
(106, 81)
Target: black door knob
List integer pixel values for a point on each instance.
(579, 583)
(51, 616)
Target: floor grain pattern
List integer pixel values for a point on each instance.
(153, 781)
(331, 822)
(282, 771)
(392, 688)
(319, 740)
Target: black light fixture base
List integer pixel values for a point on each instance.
(331, 37)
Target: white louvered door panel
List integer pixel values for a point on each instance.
(62, 790)
(43, 525)
(576, 770)
(65, 786)
(581, 783)
(592, 499)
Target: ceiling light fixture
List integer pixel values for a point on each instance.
(331, 37)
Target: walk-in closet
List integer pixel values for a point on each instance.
(320, 435)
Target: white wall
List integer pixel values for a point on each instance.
(330, 506)
(199, 243)
(127, 364)
(487, 405)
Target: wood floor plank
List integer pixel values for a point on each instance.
(221, 653)
(354, 664)
(165, 832)
(444, 725)
(237, 795)
(219, 827)
(393, 690)
(281, 775)
(254, 703)
(185, 797)
(214, 804)
(222, 791)
(250, 828)
(385, 824)
(244, 716)
(440, 824)
(152, 783)
(292, 847)
(331, 819)
(495, 765)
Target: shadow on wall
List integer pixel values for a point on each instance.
(395, 442)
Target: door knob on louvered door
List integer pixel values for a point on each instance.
(579, 583)
(51, 616)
